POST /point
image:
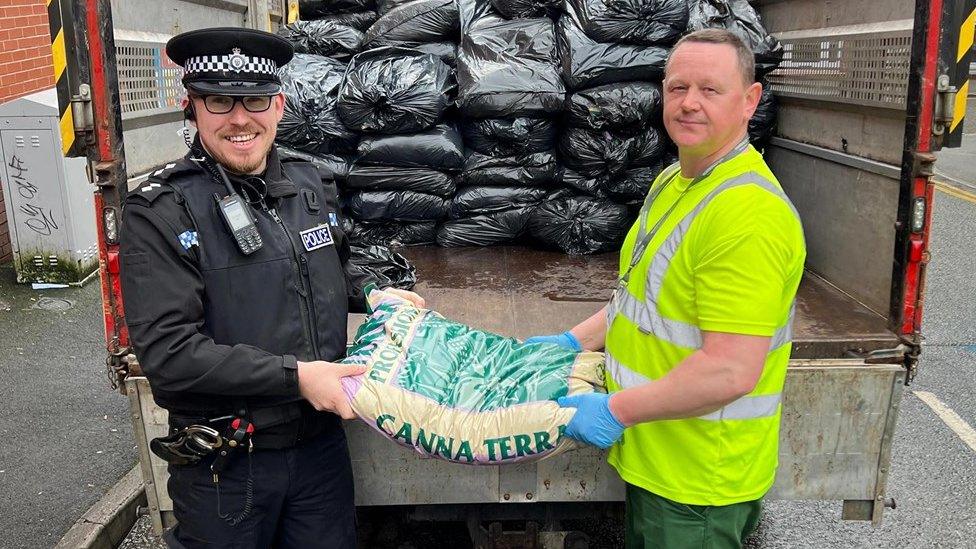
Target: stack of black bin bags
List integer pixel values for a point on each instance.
(611, 146)
(404, 169)
(510, 96)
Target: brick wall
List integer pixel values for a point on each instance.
(25, 67)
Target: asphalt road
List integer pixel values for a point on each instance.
(65, 437)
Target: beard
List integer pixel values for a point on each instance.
(253, 163)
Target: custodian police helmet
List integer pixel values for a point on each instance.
(230, 61)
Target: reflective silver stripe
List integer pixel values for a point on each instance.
(645, 315)
(624, 376)
(747, 407)
(647, 319)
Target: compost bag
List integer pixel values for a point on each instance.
(471, 201)
(485, 229)
(519, 136)
(762, 125)
(394, 178)
(538, 169)
(389, 268)
(314, 9)
(393, 233)
(625, 108)
(580, 225)
(586, 62)
(640, 22)
(327, 38)
(394, 90)
(459, 394)
(595, 154)
(397, 205)
(506, 67)
(311, 122)
(415, 22)
(439, 147)
(741, 19)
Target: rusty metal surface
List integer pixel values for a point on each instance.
(835, 433)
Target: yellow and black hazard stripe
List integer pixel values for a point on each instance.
(961, 57)
(60, 58)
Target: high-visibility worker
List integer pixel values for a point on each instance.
(698, 332)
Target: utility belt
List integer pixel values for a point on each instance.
(193, 437)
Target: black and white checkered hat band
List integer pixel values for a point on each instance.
(228, 63)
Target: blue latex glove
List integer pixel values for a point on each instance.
(564, 339)
(593, 422)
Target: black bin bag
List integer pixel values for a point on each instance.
(509, 137)
(311, 120)
(626, 108)
(484, 230)
(446, 51)
(582, 184)
(388, 267)
(395, 178)
(397, 205)
(314, 9)
(331, 167)
(762, 125)
(586, 62)
(742, 19)
(359, 20)
(531, 170)
(506, 68)
(471, 201)
(633, 184)
(394, 233)
(394, 90)
(439, 148)
(415, 22)
(327, 38)
(580, 225)
(638, 22)
(521, 9)
(607, 154)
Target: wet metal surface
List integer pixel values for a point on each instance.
(484, 279)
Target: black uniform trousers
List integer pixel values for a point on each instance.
(302, 497)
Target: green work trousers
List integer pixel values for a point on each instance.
(655, 522)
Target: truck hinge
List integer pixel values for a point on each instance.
(945, 101)
(81, 111)
(922, 164)
(119, 364)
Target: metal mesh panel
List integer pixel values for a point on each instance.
(863, 69)
(149, 83)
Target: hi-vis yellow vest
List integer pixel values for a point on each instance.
(726, 256)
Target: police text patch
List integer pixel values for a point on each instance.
(316, 237)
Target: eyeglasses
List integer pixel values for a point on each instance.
(223, 104)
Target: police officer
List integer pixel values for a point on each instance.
(237, 285)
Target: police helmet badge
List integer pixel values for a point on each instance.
(237, 60)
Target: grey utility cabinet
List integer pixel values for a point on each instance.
(49, 201)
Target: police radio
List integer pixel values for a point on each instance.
(238, 218)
